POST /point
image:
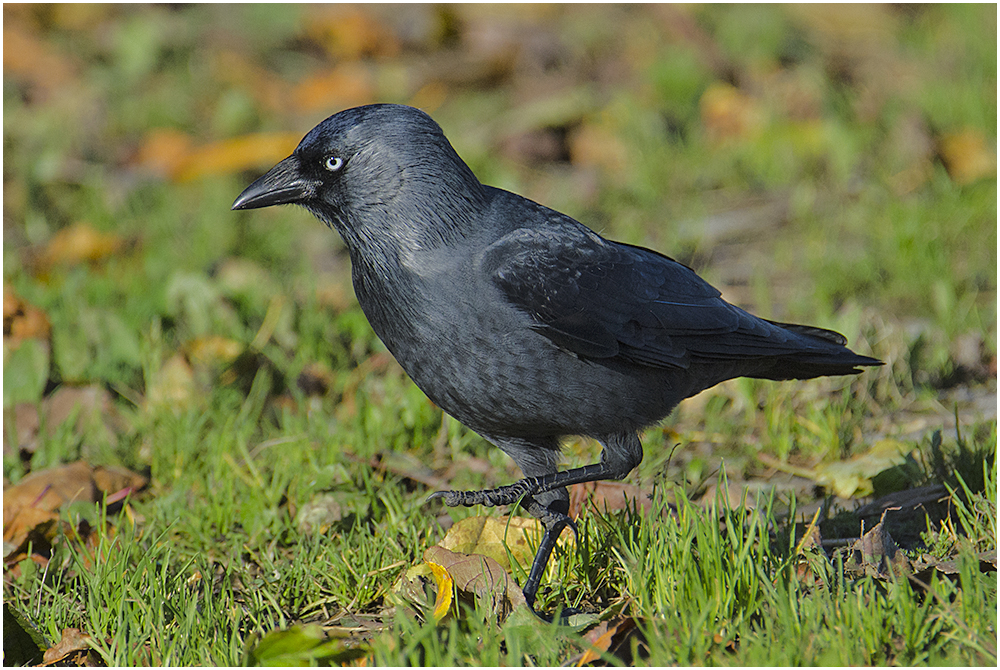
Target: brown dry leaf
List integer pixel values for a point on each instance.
(73, 640)
(346, 85)
(493, 537)
(173, 386)
(27, 524)
(614, 637)
(348, 32)
(113, 480)
(29, 58)
(967, 156)
(79, 243)
(876, 554)
(50, 489)
(480, 576)
(80, 16)
(22, 320)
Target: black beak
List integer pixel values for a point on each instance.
(283, 184)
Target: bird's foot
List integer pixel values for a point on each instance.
(505, 495)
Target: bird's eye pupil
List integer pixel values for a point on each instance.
(333, 163)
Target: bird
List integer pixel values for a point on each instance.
(517, 320)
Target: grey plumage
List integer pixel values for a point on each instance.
(517, 320)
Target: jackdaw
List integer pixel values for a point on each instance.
(519, 321)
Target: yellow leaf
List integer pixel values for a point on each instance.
(967, 156)
(445, 590)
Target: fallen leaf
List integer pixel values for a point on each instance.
(319, 514)
(164, 151)
(73, 640)
(495, 536)
(445, 590)
(22, 320)
(50, 489)
(90, 406)
(481, 577)
(175, 156)
(33, 60)
(876, 554)
(28, 525)
(30, 506)
(852, 477)
(612, 637)
(212, 351)
(967, 156)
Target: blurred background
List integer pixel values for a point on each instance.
(826, 164)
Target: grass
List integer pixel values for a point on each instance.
(289, 457)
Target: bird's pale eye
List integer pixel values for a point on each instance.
(333, 163)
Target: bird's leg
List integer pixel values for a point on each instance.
(554, 521)
(622, 453)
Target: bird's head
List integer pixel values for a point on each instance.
(372, 172)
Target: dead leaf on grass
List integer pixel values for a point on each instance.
(613, 637)
(73, 641)
(967, 156)
(34, 61)
(495, 536)
(22, 320)
(30, 507)
(876, 554)
(481, 577)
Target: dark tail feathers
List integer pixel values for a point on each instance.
(831, 359)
